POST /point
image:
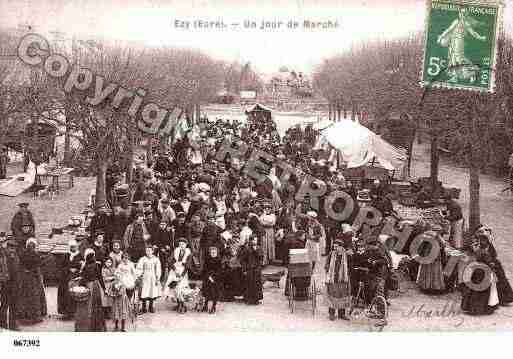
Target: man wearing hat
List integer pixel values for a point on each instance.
(211, 237)
(167, 213)
(23, 225)
(180, 228)
(10, 283)
(135, 237)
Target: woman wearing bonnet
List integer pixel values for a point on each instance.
(31, 298)
(70, 266)
(90, 316)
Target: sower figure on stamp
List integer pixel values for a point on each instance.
(460, 67)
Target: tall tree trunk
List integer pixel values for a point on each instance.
(410, 152)
(130, 159)
(329, 111)
(435, 159)
(198, 112)
(345, 111)
(67, 145)
(474, 170)
(474, 205)
(101, 194)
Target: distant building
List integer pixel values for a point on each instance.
(286, 85)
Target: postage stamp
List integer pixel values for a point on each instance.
(461, 44)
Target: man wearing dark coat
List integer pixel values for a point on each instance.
(9, 288)
(180, 228)
(211, 237)
(162, 240)
(251, 259)
(23, 225)
(135, 238)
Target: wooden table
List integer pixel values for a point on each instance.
(55, 175)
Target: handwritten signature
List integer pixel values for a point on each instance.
(449, 310)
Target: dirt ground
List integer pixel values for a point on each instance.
(410, 311)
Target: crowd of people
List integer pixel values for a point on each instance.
(197, 229)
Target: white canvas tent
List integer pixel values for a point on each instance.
(359, 146)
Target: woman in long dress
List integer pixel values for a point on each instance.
(69, 269)
(150, 269)
(338, 285)
(31, 304)
(314, 236)
(477, 301)
(108, 280)
(90, 316)
(499, 292)
(251, 261)
(430, 278)
(268, 221)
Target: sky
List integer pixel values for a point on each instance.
(153, 22)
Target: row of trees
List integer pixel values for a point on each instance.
(383, 78)
(173, 78)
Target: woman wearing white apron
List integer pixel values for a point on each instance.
(314, 236)
(177, 284)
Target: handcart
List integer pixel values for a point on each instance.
(300, 268)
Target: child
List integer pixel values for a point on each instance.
(211, 279)
(150, 267)
(123, 289)
(177, 283)
(116, 253)
(108, 280)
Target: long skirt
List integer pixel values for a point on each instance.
(233, 283)
(456, 235)
(313, 250)
(338, 295)
(65, 303)
(431, 276)
(480, 302)
(89, 316)
(504, 289)
(121, 306)
(31, 298)
(268, 245)
(253, 288)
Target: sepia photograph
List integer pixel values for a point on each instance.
(313, 166)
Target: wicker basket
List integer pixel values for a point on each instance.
(80, 294)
